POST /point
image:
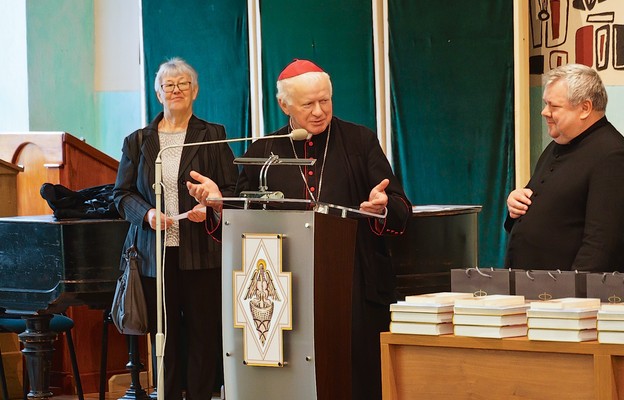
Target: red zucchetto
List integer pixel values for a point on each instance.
(298, 67)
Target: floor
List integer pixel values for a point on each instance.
(109, 396)
(91, 396)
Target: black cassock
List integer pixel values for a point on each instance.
(350, 162)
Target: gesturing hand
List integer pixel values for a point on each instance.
(204, 189)
(377, 199)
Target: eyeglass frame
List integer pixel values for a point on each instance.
(176, 85)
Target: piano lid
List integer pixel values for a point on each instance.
(48, 265)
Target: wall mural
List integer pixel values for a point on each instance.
(589, 32)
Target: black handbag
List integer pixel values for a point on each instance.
(129, 310)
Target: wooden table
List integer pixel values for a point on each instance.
(450, 367)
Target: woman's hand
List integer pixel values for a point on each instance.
(198, 213)
(150, 218)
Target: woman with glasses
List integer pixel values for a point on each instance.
(192, 252)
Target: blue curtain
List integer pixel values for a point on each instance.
(212, 37)
(336, 35)
(452, 107)
(451, 83)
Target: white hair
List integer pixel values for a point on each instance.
(285, 86)
(171, 67)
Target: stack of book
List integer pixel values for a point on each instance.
(611, 323)
(492, 316)
(426, 314)
(568, 319)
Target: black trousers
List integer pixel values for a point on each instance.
(369, 319)
(192, 301)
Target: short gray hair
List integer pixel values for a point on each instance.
(583, 82)
(285, 86)
(171, 67)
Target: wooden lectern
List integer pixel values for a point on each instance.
(60, 158)
(318, 251)
(53, 157)
(8, 183)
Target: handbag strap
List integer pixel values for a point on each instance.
(136, 234)
(136, 228)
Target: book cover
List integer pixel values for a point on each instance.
(563, 335)
(505, 310)
(611, 337)
(445, 298)
(562, 323)
(611, 325)
(431, 318)
(490, 331)
(490, 320)
(413, 328)
(421, 308)
(566, 303)
(493, 300)
(566, 314)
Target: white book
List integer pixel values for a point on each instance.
(446, 298)
(493, 300)
(566, 303)
(565, 314)
(611, 337)
(431, 318)
(611, 316)
(562, 323)
(611, 311)
(490, 320)
(562, 335)
(490, 331)
(613, 307)
(414, 328)
(421, 308)
(505, 310)
(611, 325)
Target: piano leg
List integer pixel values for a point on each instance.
(38, 341)
(135, 391)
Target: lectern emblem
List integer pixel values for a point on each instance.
(262, 294)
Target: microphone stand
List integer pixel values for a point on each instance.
(296, 134)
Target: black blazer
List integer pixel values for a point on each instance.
(134, 194)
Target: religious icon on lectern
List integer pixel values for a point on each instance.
(261, 293)
(261, 297)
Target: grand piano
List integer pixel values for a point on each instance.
(47, 266)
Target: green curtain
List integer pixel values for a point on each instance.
(212, 37)
(452, 108)
(336, 35)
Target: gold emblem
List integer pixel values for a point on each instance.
(545, 296)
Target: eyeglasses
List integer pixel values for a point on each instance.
(170, 87)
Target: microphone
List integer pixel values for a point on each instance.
(295, 134)
(299, 134)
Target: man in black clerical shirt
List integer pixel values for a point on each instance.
(570, 216)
